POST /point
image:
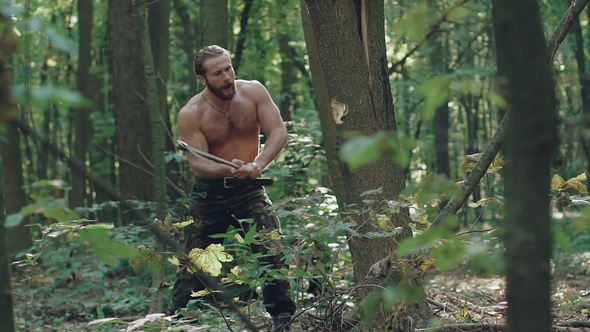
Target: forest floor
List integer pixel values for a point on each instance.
(458, 298)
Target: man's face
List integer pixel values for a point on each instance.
(220, 77)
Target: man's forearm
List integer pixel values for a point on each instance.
(273, 146)
(204, 167)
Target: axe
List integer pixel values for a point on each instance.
(183, 146)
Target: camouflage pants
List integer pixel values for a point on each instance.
(214, 209)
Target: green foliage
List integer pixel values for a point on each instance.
(362, 150)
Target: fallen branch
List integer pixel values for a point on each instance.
(497, 141)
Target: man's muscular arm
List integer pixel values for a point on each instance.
(273, 126)
(190, 132)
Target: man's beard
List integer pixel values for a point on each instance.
(219, 94)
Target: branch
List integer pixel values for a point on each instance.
(564, 26)
(497, 142)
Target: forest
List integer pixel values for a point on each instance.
(435, 176)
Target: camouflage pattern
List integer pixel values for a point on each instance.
(214, 209)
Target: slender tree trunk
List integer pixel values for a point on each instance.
(242, 35)
(157, 143)
(441, 116)
(134, 147)
(288, 77)
(8, 112)
(81, 115)
(6, 306)
(187, 43)
(531, 139)
(584, 79)
(19, 238)
(346, 46)
(159, 37)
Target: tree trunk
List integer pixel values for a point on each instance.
(152, 103)
(242, 35)
(81, 115)
(531, 139)
(288, 77)
(159, 37)
(8, 112)
(187, 43)
(214, 23)
(584, 80)
(346, 47)
(19, 238)
(133, 145)
(6, 307)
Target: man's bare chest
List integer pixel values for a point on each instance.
(219, 127)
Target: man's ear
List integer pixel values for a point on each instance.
(202, 79)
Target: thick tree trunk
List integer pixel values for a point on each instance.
(214, 23)
(531, 139)
(132, 121)
(81, 115)
(19, 238)
(346, 46)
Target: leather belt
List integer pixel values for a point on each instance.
(231, 182)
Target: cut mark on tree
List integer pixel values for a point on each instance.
(339, 110)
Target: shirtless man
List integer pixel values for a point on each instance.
(225, 120)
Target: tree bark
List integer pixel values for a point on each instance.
(19, 237)
(187, 43)
(159, 37)
(214, 23)
(81, 114)
(133, 126)
(8, 111)
(346, 46)
(584, 80)
(531, 140)
(6, 302)
(157, 128)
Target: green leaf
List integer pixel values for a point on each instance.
(413, 244)
(249, 238)
(59, 41)
(458, 14)
(363, 150)
(209, 260)
(14, 219)
(436, 92)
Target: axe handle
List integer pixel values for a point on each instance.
(182, 145)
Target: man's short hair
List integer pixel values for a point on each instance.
(207, 52)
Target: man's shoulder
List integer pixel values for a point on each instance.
(251, 85)
(191, 108)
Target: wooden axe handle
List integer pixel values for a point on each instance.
(183, 146)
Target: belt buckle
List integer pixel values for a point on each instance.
(225, 185)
